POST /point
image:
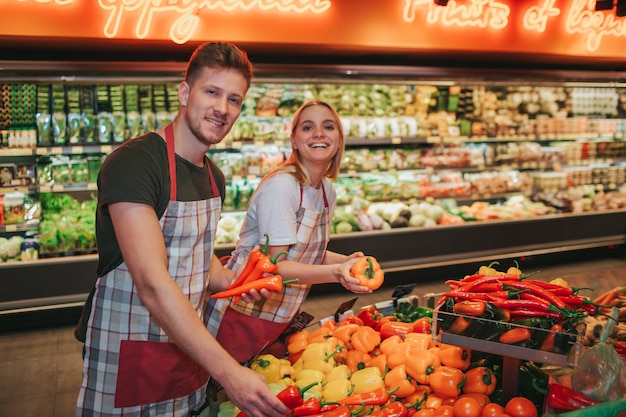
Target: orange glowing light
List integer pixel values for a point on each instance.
(187, 13)
(583, 19)
(536, 17)
(480, 13)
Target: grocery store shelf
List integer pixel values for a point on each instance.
(65, 281)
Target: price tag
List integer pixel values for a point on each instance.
(58, 188)
(345, 306)
(295, 325)
(106, 148)
(396, 141)
(402, 290)
(92, 186)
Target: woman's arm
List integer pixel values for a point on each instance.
(324, 273)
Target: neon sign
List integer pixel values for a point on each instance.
(583, 19)
(480, 13)
(536, 17)
(184, 26)
(564, 21)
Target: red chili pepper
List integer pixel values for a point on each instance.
(519, 334)
(341, 411)
(379, 396)
(534, 313)
(395, 409)
(537, 290)
(525, 304)
(564, 398)
(274, 283)
(253, 259)
(548, 342)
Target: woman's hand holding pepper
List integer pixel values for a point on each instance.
(249, 391)
(347, 280)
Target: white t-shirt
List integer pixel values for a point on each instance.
(273, 208)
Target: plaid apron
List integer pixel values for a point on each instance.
(243, 329)
(129, 360)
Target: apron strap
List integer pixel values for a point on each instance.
(171, 161)
(323, 193)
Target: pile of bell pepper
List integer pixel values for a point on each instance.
(375, 365)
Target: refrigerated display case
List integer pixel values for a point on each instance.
(415, 116)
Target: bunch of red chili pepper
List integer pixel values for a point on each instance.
(258, 264)
(522, 297)
(511, 297)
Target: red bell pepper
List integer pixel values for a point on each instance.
(370, 316)
(392, 328)
(290, 396)
(561, 397)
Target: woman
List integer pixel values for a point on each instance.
(294, 206)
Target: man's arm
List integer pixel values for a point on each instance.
(143, 249)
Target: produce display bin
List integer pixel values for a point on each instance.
(483, 335)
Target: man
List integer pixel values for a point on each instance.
(147, 351)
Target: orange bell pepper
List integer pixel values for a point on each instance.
(344, 333)
(386, 344)
(297, 342)
(420, 340)
(480, 380)
(447, 381)
(397, 354)
(330, 324)
(357, 360)
(398, 382)
(323, 331)
(368, 271)
(365, 339)
(455, 356)
(420, 364)
(380, 361)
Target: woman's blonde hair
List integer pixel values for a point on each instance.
(294, 164)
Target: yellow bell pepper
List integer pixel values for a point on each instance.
(286, 369)
(287, 381)
(338, 372)
(336, 389)
(366, 380)
(268, 366)
(308, 376)
(318, 356)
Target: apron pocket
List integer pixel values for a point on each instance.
(151, 372)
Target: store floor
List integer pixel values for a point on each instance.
(40, 367)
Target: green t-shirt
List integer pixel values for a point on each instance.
(138, 172)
